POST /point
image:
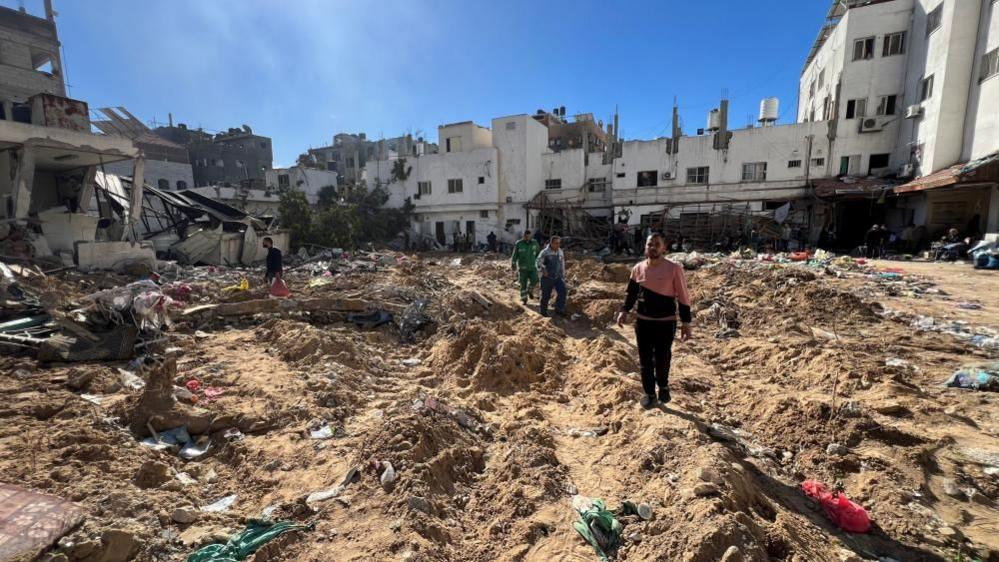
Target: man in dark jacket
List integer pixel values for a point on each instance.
(275, 263)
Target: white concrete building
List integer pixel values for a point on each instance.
(307, 180)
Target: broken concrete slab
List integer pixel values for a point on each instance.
(113, 255)
(263, 306)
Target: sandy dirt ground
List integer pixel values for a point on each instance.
(493, 418)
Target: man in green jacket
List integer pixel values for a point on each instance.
(525, 252)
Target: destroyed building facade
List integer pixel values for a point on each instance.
(167, 164)
(30, 63)
(232, 158)
(349, 154)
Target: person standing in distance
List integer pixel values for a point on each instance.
(658, 287)
(275, 263)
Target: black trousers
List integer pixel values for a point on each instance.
(655, 344)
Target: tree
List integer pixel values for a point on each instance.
(295, 214)
(328, 196)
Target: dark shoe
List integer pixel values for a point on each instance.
(523, 302)
(664, 396)
(648, 401)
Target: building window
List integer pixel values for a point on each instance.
(697, 175)
(879, 161)
(818, 161)
(163, 183)
(863, 49)
(553, 183)
(423, 187)
(754, 171)
(811, 88)
(647, 178)
(886, 105)
(331, 166)
(933, 19)
(856, 108)
(455, 186)
(483, 214)
(894, 44)
(219, 163)
(181, 184)
(596, 185)
(284, 180)
(621, 174)
(511, 125)
(263, 144)
(794, 163)
(990, 64)
(822, 78)
(452, 144)
(926, 88)
(482, 179)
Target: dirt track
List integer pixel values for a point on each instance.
(805, 367)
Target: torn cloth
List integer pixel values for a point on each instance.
(257, 534)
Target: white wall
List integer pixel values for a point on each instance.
(307, 180)
(520, 142)
(472, 137)
(981, 129)
(155, 170)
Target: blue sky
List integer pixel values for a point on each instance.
(301, 70)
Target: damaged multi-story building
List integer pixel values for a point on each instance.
(235, 157)
(349, 153)
(168, 166)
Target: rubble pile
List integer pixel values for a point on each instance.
(402, 407)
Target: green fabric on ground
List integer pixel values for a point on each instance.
(524, 255)
(600, 528)
(256, 535)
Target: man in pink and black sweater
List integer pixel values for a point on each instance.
(658, 287)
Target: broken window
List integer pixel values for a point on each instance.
(754, 171)
(455, 186)
(933, 19)
(886, 105)
(453, 144)
(926, 88)
(647, 178)
(553, 183)
(990, 65)
(856, 108)
(794, 163)
(879, 161)
(894, 44)
(181, 184)
(822, 78)
(482, 179)
(697, 175)
(263, 144)
(483, 214)
(163, 183)
(818, 161)
(284, 180)
(863, 49)
(423, 187)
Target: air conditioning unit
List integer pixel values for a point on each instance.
(906, 170)
(913, 111)
(870, 125)
(666, 175)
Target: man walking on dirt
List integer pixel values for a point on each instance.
(658, 286)
(525, 252)
(551, 263)
(275, 265)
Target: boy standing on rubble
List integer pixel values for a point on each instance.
(551, 263)
(525, 252)
(275, 263)
(658, 286)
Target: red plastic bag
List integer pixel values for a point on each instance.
(847, 515)
(799, 256)
(279, 288)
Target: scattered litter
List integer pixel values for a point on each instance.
(221, 505)
(846, 514)
(233, 434)
(411, 362)
(130, 380)
(587, 432)
(896, 362)
(185, 479)
(642, 509)
(976, 377)
(192, 451)
(969, 305)
(324, 432)
(370, 320)
(323, 495)
(388, 476)
(240, 546)
(94, 398)
(176, 437)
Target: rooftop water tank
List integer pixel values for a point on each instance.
(714, 120)
(769, 110)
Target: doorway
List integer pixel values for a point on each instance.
(439, 233)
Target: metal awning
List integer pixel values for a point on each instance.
(848, 187)
(981, 170)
